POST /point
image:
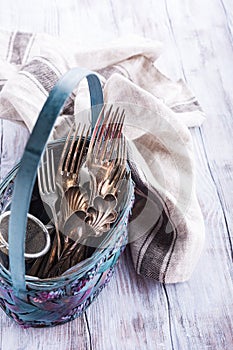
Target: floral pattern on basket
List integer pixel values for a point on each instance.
(75, 305)
(5, 197)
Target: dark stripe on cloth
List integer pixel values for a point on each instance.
(164, 235)
(148, 236)
(157, 250)
(2, 83)
(187, 107)
(47, 77)
(8, 47)
(21, 41)
(42, 73)
(106, 72)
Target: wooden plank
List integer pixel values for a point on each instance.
(203, 317)
(70, 336)
(213, 91)
(227, 8)
(131, 313)
(201, 309)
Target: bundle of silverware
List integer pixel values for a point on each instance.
(82, 193)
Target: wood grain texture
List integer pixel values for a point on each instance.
(134, 313)
(71, 336)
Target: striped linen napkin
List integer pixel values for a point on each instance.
(166, 231)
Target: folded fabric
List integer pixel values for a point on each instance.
(166, 230)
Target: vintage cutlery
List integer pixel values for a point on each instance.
(116, 177)
(74, 196)
(74, 199)
(48, 191)
(104, 150)
(71, 159)
(102, 214)
(85, 213)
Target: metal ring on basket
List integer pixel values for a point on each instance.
(37, 241)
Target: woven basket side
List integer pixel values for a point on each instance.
(60, 305)
(65, 298)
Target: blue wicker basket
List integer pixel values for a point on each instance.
(35, 302)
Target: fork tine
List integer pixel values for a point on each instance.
(82, 149)
(116, 134)
(48, 170)
(62, 158)
(124, 150)
(109, 132)
(39, 177)
(101, 151)
(123, 158)
(119, 125)
(76, 150)
(119, 152)
(123, 155)
(53, 187)
(66, 167)
(119, 168)
(121, 138)
(121, 122)
(112, 124)
(43, 182)
(105, 122)
(102, 130)
(96, 129)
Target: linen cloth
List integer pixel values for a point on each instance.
(166, 231)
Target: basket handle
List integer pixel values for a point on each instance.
(26, 175)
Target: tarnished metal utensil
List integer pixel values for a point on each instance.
(71, 159)
(105, 150)
(48, 190)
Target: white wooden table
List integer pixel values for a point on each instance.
(132, 312)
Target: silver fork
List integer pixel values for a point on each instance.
(71, 159)
(48, 191)
(117, 175)
(106, 152)
(74, 197)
